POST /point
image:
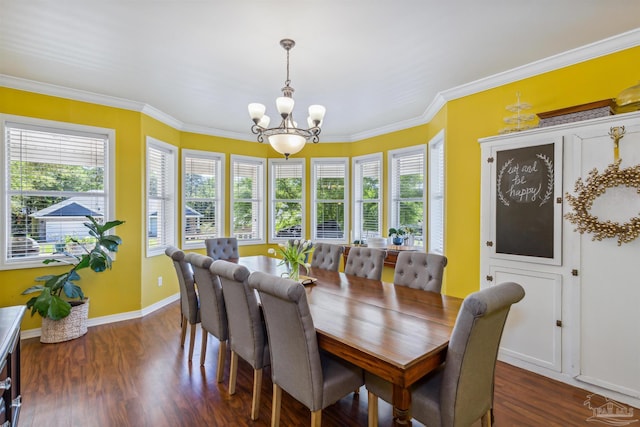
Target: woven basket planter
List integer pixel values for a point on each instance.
(71, 327)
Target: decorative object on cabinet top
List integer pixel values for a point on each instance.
(577, 113)
(596, 185)
(628, 100)
(518, 121)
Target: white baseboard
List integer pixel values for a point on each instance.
(113, 318)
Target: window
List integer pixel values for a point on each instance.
(203, 197)
(161, 196)
(56, 174)
(408, 190)
(287, 194)
(330, 194)
(247, 199)
(436, 194)
(367, 195)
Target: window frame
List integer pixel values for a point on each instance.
(262, 210)
(220, 158)
(393, 155)
(357, 164)
(6, 120)
(315, 162)
(436, 171)
(273, 164)
(171, 196)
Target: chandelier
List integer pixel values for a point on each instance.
(287, 138)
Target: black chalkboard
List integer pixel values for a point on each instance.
(524, 202)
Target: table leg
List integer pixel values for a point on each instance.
(401, 406)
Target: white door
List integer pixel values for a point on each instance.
(609, 273)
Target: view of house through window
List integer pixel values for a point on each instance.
(56, 177)
(203, 196)
(247, 193)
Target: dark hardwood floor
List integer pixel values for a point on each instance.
(134, 373)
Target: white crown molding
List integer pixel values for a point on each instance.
(607, 46)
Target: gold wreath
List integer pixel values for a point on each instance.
(595, 185)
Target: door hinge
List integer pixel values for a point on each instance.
(559, 323)
(574, 272)
(490, 160)
(489, 243)
(490, 278)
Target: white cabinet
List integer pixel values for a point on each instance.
(579, 321)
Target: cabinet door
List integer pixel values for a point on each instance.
(532, 333)
(525, 200)
(610, 273)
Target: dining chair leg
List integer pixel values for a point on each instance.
(233, 371)
(372, 410)
(486, 419)
(203, 348)
(316, 418)
(192, 339)
(183, 331)
(222, 354)
(275, 406)
(257, 387)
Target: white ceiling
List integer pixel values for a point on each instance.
(372, 63)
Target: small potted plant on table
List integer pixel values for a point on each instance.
(396, 235)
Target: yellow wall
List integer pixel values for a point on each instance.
(132, 284)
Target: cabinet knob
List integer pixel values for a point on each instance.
(490, 278)
(6, 384)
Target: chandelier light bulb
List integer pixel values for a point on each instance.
(256, 111)
(285, 106)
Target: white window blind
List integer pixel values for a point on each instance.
(161, 196)
(408, 191)
(286, 187)
(203, 194)
(55, 178)
(436, 195)
(367, 208)
(247, 176)
(329, 199)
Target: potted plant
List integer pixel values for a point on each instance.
(54, 307)
(409, 232)
(396, 235)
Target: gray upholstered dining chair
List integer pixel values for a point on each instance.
(222, 248)
(313, 377)
(213, 313)
(189, 303)
(420, 270)
(247, 333)
(365, 262)
(460, 391)
(327, 256)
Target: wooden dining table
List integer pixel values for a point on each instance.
(395, 332)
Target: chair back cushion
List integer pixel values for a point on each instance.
(365, 262)
(188, 297)
(222, 248)
(466, 392)
(420, 270)
(213, 313)
(327, 256)
(247, 333)
(295, 357)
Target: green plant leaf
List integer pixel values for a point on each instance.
(99, 261)
(42, 302)
(58, 308)
(71, 290)
(111, 242)
(33, 289)
(109, 225)
(73, 276)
